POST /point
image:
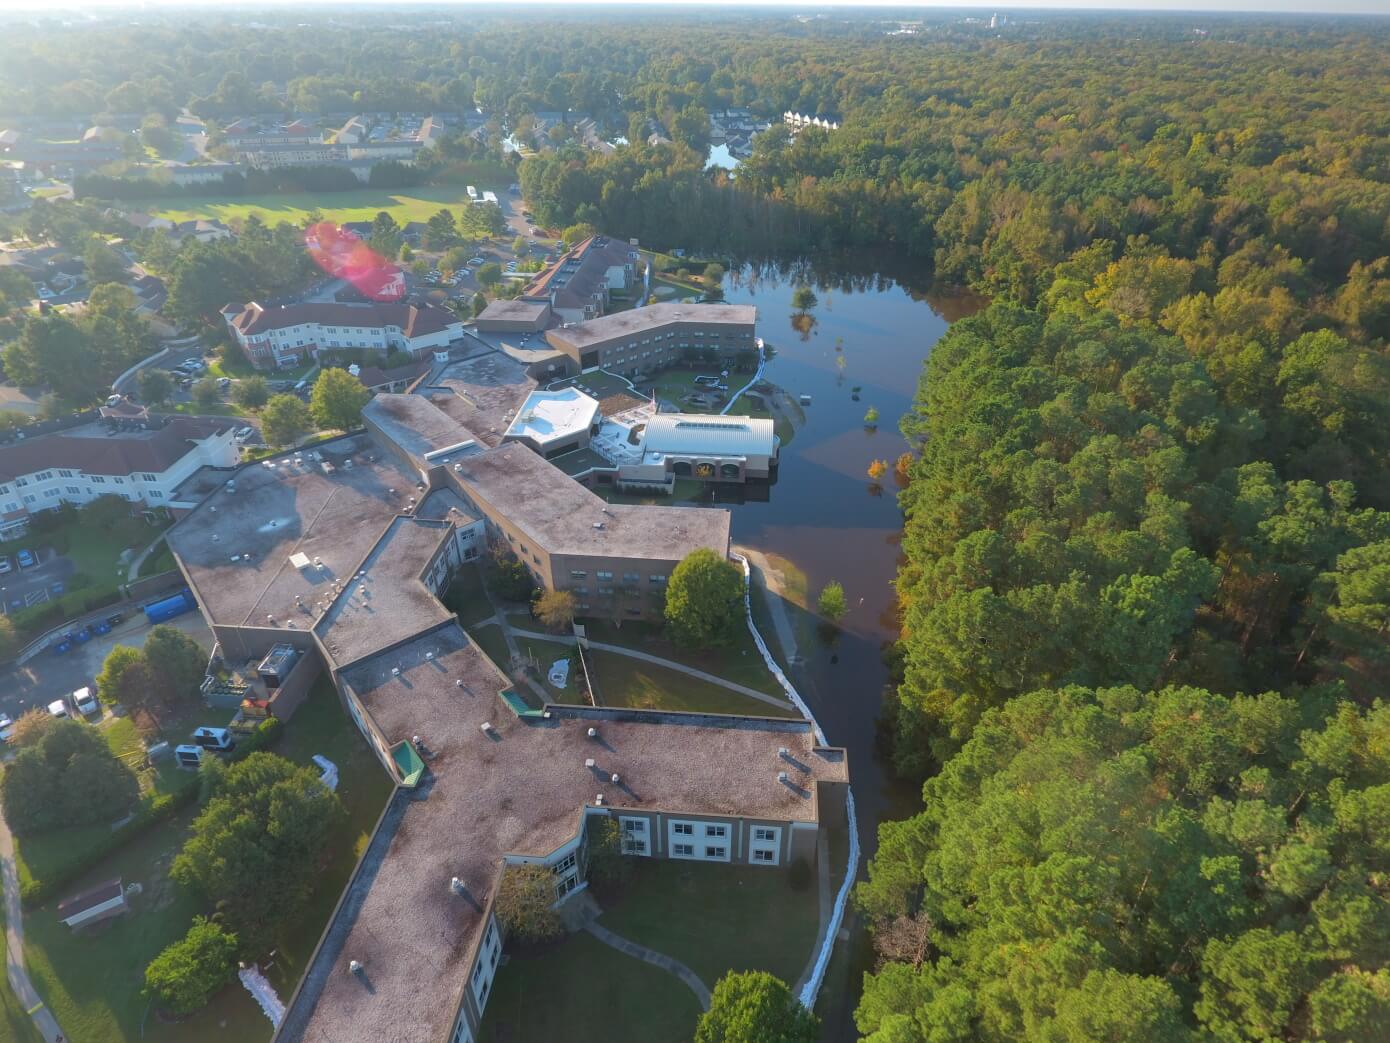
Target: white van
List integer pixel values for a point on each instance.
(86, 701)
(58, 708)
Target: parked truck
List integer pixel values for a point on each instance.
(167, 608)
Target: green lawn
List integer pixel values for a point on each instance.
(623, 681)
(466, 597)
(92, 981)
(545, 653)
(408, 204)
(215, 409)
(582, 991)
(716, 918)
(15, 1024)
(740, 662)
(489, 638)
(161, 560)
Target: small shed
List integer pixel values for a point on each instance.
(100, 903)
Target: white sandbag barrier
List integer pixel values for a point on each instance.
(813, 983)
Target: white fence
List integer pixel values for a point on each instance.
(813, 983)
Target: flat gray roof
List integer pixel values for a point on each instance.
(521, 790)
(415, 424)
(283, 509)
(563, 517)
(482, 393)
(641, 320)
(385, 602)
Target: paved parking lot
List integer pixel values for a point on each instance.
(25, 588)
(48, 675)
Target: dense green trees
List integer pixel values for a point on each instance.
(755, 1007)
(704, 600)
(337, 400)
(257, 843)
(525, 900)
(68, 777)
(285, 420)
(1116, 864)
(190, 972)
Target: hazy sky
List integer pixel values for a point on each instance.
(1381, 7)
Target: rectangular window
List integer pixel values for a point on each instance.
(716, 852)
(716, 831)
(578, 574)
(98, 480)
(684, 849)
(630, 577)
(657, 579)
(605, 575)
(762, 854)
(64, 474)
(762, 833)
(684, 829)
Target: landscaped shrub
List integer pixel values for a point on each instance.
(524, 898)
(190, 972)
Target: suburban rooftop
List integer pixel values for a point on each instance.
(566, 518)
(236, 545)
(653, 316)
(519, 789)
(482, 393)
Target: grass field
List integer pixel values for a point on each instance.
(623, 681)
(411, 204)
(92, 981)
(718, 918)
(582, 991)
(740, 663)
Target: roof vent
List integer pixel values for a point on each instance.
(590, 762)
(429, 656)
(215, 537)
(593, 733)
(395, 671)
(355, 967)
(615, 778)
(598, 525)
(598, 799)
(784, 778)
(458, 683)
(456, 886)
(486, 727)
(784, 753)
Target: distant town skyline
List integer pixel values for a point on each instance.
(1195, 7)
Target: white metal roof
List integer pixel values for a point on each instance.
(692, 434)
(547, 416)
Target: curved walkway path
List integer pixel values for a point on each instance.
(570, 639)
(656, 959)
(14, 944)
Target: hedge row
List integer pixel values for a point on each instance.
(153, 810)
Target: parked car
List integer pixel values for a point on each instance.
(26, 559)
(85, 699)
(473, 262)
(244, 435)
(5, 564)
(6, 728)
(115, 618)
(224, 382)
(58, 708)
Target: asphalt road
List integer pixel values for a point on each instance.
(48, 675)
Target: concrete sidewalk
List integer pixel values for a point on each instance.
(14, 943)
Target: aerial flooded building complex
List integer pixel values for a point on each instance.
(343, 551)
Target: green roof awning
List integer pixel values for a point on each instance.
(408, 762)
(517, 704)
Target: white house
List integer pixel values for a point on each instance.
(143, 461)
(287, 334)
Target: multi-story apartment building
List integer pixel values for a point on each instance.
(582, 283)
(142, 464)
(341, 552)
(287, 334)
(644, 340)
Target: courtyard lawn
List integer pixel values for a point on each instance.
(740, 663)
(418, 203)
(15, 1024)
(467, 599)
(582, 991)
(716, 918)
(489, 638)
(546, 653)
(623, 681)
(93, 981)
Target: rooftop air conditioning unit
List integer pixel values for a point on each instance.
(355, 966)
(456, 886)
(486, 727)
(615, 778)
(593, 733)
(395, 671)
(598, 799)
(590, 762)
(458, 683)
(783, 777)
(783, 752)
(429, 656)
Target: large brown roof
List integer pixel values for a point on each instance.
(414, 320)
(579, 274)
(124, 452)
